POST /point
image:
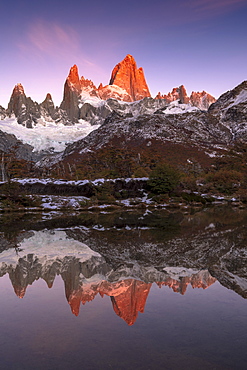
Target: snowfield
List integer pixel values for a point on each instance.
(49, 136)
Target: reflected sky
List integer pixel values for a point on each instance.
(125, 298)
(201, 328)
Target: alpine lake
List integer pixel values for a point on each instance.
(135, 289)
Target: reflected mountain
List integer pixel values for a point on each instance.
(124, 263)
(46, 254)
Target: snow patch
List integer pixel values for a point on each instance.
(49, 245)
(240, 98)
(47, 136)
(176, 108)
(175, 272)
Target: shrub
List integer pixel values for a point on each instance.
(163, 179)
(189, 183)
(191, 197)
(242, 195)
(105, 193)
(161, 198)
(225, 181)
(140, 172)
(12, 197)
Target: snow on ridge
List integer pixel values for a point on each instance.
(94, 101)
(177, 108)
(180, 271)
(34, 180)
(48, 136)
(240, 98)
(54, 137)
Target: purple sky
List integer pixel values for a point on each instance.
(198, 43)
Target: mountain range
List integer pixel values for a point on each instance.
(127, 84)
(121, 115)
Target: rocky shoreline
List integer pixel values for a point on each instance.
(39, 195)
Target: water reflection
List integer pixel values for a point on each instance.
(86, 273)
(138, 262)
(97, 258)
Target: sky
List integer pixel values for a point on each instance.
(201, 44)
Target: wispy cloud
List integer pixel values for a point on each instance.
(214, 6)
(45, 40)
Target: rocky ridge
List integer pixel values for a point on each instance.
(127, 84)
(83, 100)
(198, 129)
(231, 110)
(201, 100)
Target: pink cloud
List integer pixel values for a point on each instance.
(217, 6)
(51, 38)
(45, 40)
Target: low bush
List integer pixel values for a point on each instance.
(191, 197)
(225, 181)
(163, 179)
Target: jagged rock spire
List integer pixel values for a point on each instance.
(130, 78)
(25, 109)
(201, 100)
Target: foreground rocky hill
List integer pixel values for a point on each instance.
(231, 110)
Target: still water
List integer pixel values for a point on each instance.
(124, 291)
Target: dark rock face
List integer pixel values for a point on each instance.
(48, 110)
(3, 113)
(130, 78)
(28, 112)
(83, 189)
(132, 188)
(231, 110)
(98, 114)
(201, 100)
(94, 114)
(12, 149)
(9, 143)
(71, 95)
(230, 98)
(178, 93)
(25, 109)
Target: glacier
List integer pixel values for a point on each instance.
(49, 136)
